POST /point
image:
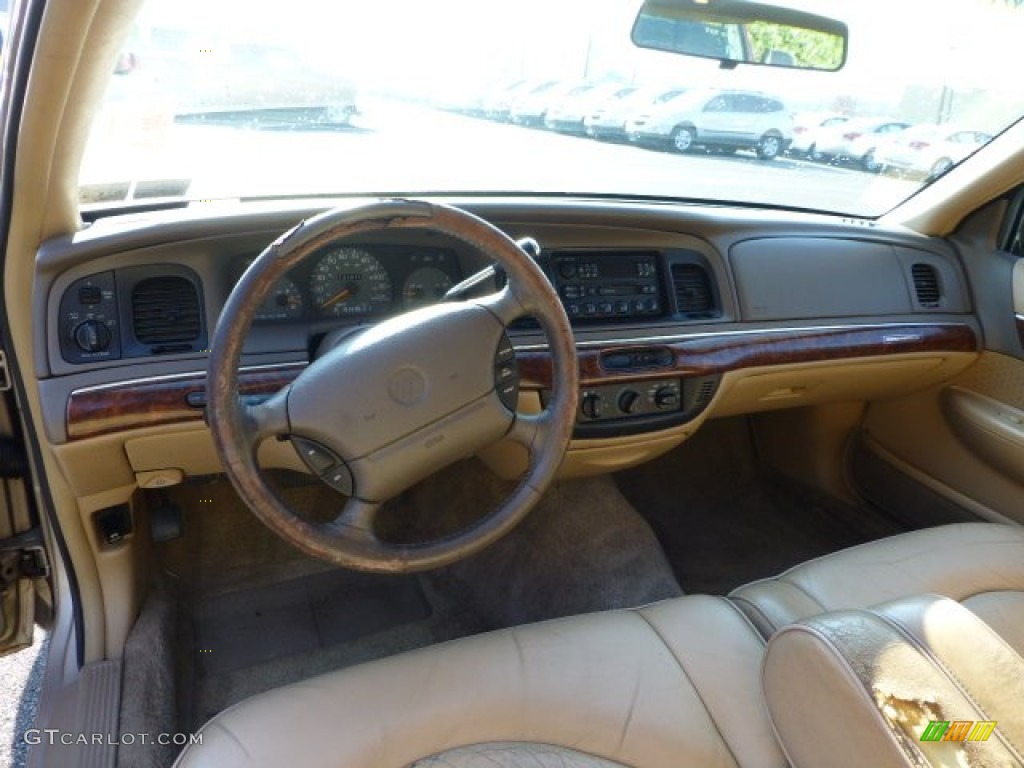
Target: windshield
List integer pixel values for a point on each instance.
(261, 98)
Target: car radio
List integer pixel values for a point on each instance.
(608, 285)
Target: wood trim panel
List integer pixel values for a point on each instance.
(719, 353)
(146, 403)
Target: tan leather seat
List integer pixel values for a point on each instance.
(676, 683)
(978, 564)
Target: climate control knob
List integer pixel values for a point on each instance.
(666, 398)
(592, 406)
(92, 336)
(629, 401)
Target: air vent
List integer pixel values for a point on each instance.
(692, 287)
(926, 285)
(165, 312)
(704, 395)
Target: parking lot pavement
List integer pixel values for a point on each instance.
(398, 148)
(21, 675)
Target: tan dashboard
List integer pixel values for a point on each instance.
(681, 314)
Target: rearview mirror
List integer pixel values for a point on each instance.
(739, 32)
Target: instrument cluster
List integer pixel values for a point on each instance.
(359, 281)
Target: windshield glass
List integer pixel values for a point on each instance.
(261, 98)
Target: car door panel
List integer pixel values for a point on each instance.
(990, 428)
(960, 439)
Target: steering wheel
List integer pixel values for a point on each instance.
(386, 407)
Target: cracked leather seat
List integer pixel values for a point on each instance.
(676, 683)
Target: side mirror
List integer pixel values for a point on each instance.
(740, 32)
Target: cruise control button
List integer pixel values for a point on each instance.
(505, 350)
(504, 372)
(340, 479)
(509, 394)
(317, 458)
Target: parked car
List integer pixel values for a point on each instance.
(717, 120)
(532, 108)
(570, 114)
(498, 105)
(928, 151)
(806, 128)
(608, 120)
(855, 141)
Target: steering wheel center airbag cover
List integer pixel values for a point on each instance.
(397, 378)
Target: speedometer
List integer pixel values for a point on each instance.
(350, 281)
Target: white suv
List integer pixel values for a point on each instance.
(717, 120)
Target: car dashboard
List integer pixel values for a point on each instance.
(680, 312)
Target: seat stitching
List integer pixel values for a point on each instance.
(482, 748)
(911, 752)
(800, 588)
(696, 690)
(746, 619)
(756, 609)
(927, 652)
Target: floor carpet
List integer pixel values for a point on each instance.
(724, 517)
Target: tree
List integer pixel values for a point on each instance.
(817, 50)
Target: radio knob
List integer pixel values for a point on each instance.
(567, 270)
(629, 401)
(666, 398)
(591, 405)
(92, 336)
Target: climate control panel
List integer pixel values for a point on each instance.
(635, 407)
(617, 402)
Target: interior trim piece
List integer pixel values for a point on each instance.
(971, 505)
(722, 352)
(110, 408)
(993, 430)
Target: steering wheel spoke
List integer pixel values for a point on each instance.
(531, 429)
(357, 519)
(504, 304)
(268, 419)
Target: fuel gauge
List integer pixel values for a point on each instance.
(284, 303)
(425, 286)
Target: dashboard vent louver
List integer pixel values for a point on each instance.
(926, 285)
(691, 285)
(165, 311)
(705, 395)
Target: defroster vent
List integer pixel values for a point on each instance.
(165, 312)
(926, 285)
(694, 295)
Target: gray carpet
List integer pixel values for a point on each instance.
(149, 695)
(582, 549)
(725, 518)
